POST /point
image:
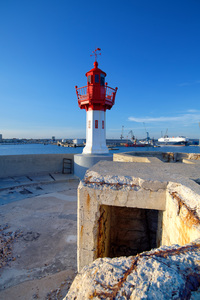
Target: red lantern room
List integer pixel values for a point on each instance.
(96, 97)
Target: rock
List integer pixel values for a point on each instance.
(171, 272)
(30, 236)
(6, 241)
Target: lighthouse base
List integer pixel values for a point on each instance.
(95, 150)
(82, 162)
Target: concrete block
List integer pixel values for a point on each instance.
(111, 195)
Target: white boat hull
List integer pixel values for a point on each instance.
(173, 141)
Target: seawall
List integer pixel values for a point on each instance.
(19, 165)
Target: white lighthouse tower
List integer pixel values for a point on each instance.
(96, 98)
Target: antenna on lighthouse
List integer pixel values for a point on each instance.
(95, 53)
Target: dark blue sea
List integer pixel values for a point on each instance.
(51, 149)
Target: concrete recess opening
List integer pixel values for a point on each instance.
(125, 231)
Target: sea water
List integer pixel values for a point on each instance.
(19, 149)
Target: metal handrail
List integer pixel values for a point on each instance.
(82, 92)
(110, 91)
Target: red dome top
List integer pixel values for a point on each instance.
(95, 70)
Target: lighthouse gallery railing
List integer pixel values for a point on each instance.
(86, 93)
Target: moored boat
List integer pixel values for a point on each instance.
(173, 141)
(139, 143)
(136, 145)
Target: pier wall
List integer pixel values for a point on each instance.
(19, 165)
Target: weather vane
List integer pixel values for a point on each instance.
(95, 53)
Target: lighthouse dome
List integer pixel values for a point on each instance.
(96, 75)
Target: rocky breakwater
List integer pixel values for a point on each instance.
(169, 272)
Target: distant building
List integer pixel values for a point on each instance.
(0, 137)
(53, 138)
(78, 142)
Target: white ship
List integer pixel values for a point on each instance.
(173, 141)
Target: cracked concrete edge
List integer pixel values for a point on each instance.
(93, 178)
(179, 191)
(187, 194)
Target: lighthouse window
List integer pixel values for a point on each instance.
(96, 78)
(89, 79)
(102, 124)
(96, 123)
(102, 79)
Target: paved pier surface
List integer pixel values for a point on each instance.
(38, 235)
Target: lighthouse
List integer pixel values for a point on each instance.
(96, 97)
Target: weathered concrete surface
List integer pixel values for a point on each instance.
(18, 165)
(23, 187)
(161, 172)
(165, 273)
(170, 188)
(38, 237)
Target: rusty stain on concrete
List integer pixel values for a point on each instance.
(191, 217)
(88, 201)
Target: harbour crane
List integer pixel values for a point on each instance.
(122, 134)
(147, 133)
(132, 135)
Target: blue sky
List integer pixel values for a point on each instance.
(150, 51)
